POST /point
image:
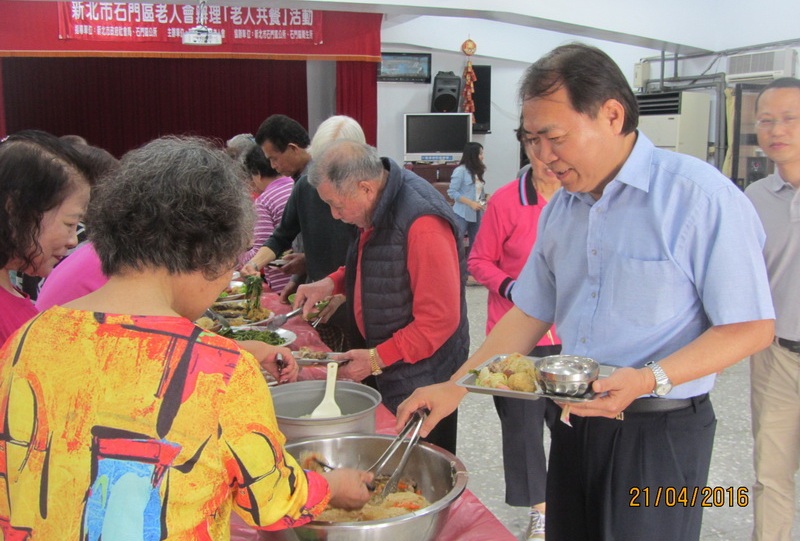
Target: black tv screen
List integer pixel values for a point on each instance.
(436, 137)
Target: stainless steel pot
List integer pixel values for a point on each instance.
(440, 475)
(292, 401)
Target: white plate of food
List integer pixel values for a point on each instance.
(281, 337)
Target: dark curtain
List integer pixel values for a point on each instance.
(357, 95)
(121, 103)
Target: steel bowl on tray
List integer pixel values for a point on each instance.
(566, 375)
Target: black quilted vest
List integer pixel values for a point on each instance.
(386, 295)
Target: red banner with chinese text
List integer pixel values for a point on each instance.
(140, 22)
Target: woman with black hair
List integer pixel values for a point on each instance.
(44, 187)
(467, 191)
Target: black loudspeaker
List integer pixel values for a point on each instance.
(483, 99)
(446, 92)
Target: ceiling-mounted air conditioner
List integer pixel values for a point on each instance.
(762, 66)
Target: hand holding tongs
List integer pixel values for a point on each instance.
(276, 322)
(413, 426)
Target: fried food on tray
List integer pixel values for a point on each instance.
(514, 372)
(308, 353)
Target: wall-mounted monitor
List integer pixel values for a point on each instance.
(436, 137)
(405, 67)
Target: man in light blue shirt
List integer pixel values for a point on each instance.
(646, 260)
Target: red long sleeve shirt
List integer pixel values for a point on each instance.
(435, 280)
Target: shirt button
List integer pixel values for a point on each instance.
(583, 340)
(594, 294)
(594, 252)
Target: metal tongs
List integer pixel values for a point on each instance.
(413, 426)
(276, 322)
(219, 318)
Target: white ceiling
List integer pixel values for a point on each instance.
(682, 26)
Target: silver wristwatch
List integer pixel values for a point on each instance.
(663, 384)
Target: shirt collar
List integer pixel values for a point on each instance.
(775, 183)
(640, 159)
(526, 190)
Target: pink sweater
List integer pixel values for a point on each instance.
(78, 275)
(504, 242)
(14, 311)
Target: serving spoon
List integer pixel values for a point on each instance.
(328, 407)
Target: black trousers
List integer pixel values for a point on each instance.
(444, 434)
(522, 429)
(605, 475)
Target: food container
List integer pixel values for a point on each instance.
(293, 401)
(566, 375)
(440, 476)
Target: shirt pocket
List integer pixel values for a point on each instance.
(644, 292)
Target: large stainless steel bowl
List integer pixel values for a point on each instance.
(441, 477)
(293, 401)
(567, 375)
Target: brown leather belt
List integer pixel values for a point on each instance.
(660, 405)
(791, 345)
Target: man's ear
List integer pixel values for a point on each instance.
(365, 185)
(613, 113)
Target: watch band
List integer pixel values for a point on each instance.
(660, 375)
(373, 363)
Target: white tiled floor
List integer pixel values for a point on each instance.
(731, 466)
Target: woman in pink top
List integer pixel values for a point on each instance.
(45, 185)
(274, 191)
(504, 242)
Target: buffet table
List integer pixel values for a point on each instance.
(469, 519)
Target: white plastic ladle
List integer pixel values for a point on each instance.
(328, 407)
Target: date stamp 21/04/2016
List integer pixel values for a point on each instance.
(689, 496)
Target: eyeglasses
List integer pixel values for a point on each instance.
(767, 124)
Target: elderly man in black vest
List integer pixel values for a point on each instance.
(404, 275)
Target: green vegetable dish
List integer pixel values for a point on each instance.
(271, 338)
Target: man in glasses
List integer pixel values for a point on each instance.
(775, 371)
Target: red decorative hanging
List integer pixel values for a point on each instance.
(468, 48)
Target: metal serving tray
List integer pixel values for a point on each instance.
(329, 357)
(468, 382)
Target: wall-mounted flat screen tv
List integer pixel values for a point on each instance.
(405, 67)
(436, 137)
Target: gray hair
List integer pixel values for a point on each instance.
(238, 145)
(344, 163)
(177, 203)
(333, 128)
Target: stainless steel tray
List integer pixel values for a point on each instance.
(329, 357)
(468, 382)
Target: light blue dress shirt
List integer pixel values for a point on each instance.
(670, 249)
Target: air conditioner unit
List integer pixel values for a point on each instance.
(676, 121)
(761, 66)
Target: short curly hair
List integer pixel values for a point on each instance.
(38, 172)
(177, 203)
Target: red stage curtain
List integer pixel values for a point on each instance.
(121, 103)
(357, 95)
